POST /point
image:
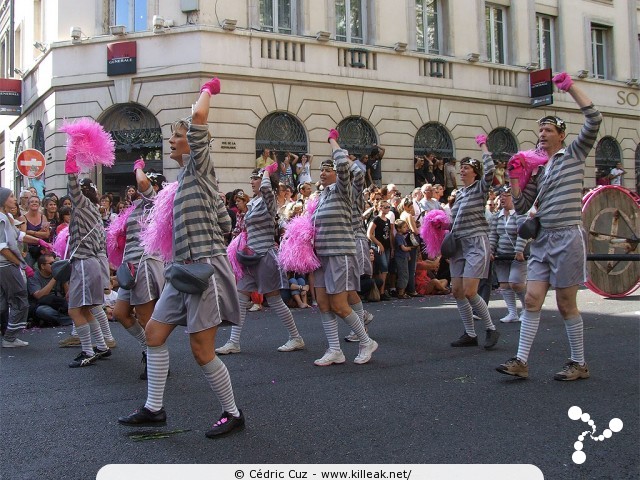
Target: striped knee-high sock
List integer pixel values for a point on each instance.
(510, 299)
(96, 334)
(521, 297)
(236, 330)
(284, 314)
(157, 369)
(218, 377)
(466, 315)
(480, 307)
(528, 329)
(137, 332)
(101, 317)
(359, 309)
(357, 325)
(330, 325)
(575, 333)
(84, 334)
(74, 332)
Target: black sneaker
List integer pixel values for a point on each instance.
(143, 417)
(491, 339)
(101, 353)
(83, 360)
(143, 375)
(385, 297)
(225, 425)
(465, 341)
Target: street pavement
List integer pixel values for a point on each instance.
(417, 401)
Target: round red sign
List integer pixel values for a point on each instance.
(31, 163)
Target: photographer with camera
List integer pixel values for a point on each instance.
(47, 297)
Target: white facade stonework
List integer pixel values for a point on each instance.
(264, 72)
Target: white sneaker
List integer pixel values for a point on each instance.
(229, 347)
(352, 337)
(367, 317)
(476, 317)
(364, 355)
(330, 357)
(292, 345)
(510, 319)
(15, 344)
(255, 308)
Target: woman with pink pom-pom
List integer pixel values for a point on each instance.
(146, 268)
(266, 277)
(200, 221)
(553, 194)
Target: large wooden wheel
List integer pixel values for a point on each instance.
(611, 218)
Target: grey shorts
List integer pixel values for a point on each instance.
(87, 283)
(362, 256)
(338, 274)
(149, 283)
(265, 277)
(200, 312)
(559, 256)
(471, 259)
(511, 271)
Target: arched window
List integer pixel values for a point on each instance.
(502, 143)
(608, 153)
(281, 132)
(433, 137)
(137, 134)
(357, 136)
(38, 137)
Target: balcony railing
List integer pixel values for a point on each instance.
(282, 50)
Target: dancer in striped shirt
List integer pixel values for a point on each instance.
(558, 253)
(200, 220)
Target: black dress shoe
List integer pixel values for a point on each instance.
(225, 425)
(465, 341)
(144, 417)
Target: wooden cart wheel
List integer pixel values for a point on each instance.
(611, 218)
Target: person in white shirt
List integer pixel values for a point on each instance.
(429, 203)
(616, 175)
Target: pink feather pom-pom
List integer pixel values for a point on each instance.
(435, 225)
(117, 236)
(238, 243)
(532, 159)
(296, 250)
(311, 205)
(89, 144)
(60, 245)
(156, 235)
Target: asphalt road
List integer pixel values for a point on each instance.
(417, 401)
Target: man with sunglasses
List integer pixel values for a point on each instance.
(558, 253)
(48, 303)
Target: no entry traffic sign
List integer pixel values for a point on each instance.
(31, 163)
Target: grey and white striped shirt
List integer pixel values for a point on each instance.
(470, 204)
(86, 232)
(200, 217)
(503, 235)
(260, 218)
(560, 182)
(133, 250)
(333, 216)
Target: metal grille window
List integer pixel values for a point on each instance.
(433, 137)
(427, 26)
(599, 51)
(545, 41)
(281, 132)
(502, 143)
(38, 137)
(357, 136)
(278, 16)
(495, 19)
(130, 13)
(351, 20)
(608, 153)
